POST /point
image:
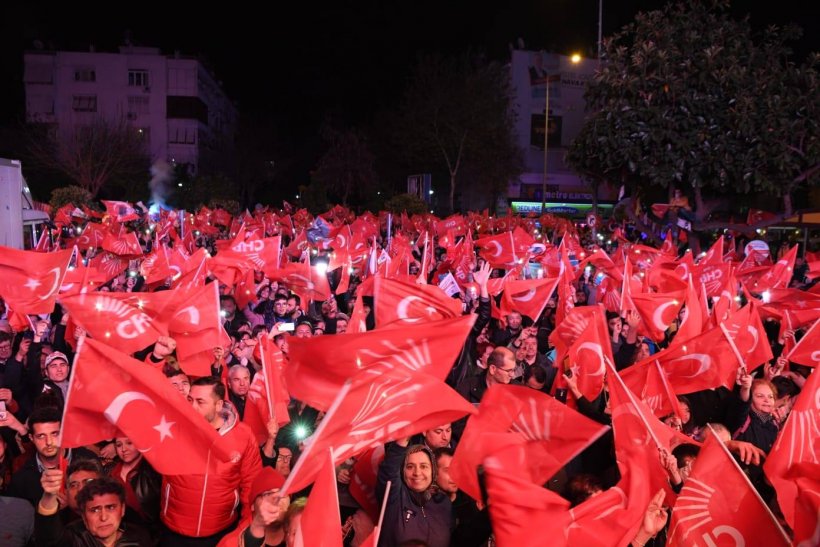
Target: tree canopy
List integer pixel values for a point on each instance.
(689, 97)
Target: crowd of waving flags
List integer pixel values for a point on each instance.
(380, 385)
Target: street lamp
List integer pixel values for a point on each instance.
(575, 59)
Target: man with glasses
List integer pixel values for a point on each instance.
(500, 370)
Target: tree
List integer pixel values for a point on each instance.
(457, 114)
(69, 195)
(92, 154)
(689, 97)
(347, 167)
(406, 203)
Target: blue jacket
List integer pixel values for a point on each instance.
(404, 519)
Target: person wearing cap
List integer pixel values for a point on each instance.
(56, 380)
(265, 527)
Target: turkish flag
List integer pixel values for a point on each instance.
(378, 405)
(505, 248)
(363, 477)
(194, 322)
(111, 395)
(527, 296)
(30, 281)
(704, 362)
(320, 524)
(399, 304)
(589, 354)
(320, 366)
(82, 278)
(797, 443)
(267, 390)
(807, 350)
(516, 506)
(524, 426)
(693, 320)
(747, 332)
(190, 271)
(303, 278)
(719, 506)
(778, 276)
(658, 311)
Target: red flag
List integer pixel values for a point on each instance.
(704, 362)
(693, 320)
(399, 304)
(797, 443)
(807, 506)
(111, 395)
(125, 244)
(650, 384)
(806, 351)
(778, 276)
(657, 310)
(30, 281)
(718, 501)
(320, 524)
(758, 215)
(320, 366)
(363, 477)
(589, 354)
(749, 337)
(194, 322)
(505, 248)
(267, 390)
(380, 404)
(121, 211)
(536, 431)
(527, 296)
(190, 271)
(516, 505)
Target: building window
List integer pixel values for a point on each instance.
(138, 105)
(85, 75)
(182, 135)
(138, 78)
(84, 103)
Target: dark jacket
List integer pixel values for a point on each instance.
(50, 532)
(404, 517)
(25, 482)
(142, 497)
(465, 366)
(746, 425)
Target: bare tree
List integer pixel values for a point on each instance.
(92, 154)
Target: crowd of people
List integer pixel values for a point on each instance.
(109, 493)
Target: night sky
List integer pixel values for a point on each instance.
(296, 65)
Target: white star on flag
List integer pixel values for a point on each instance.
(32, 284)
(164, 428)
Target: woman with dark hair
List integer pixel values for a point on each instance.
(142, 485)
(416, 509)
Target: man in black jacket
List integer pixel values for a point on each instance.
(101, 504)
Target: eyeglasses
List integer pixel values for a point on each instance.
(284, 457)
(74, 485)
(5, 346)
(507, 370)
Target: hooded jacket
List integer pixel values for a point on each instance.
(409, 515)
(203, 505)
